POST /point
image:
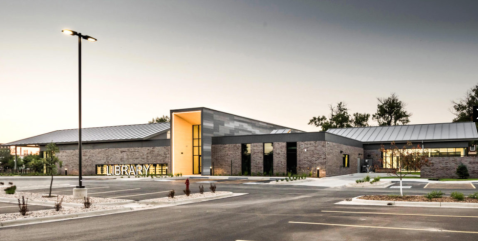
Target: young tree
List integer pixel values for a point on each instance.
(408, 159)
(340, 118)
(161, 119)
(6, 158)
(50, 162)
(463, 109)
(391, 112)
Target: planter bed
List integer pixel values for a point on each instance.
(51, 212)
(184, 198)
(415, 199)
(379, 184)
(37, 197)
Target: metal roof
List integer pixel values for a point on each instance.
(425, 132)
(97, 134)
(281, 131)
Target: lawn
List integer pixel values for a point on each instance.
(405, 177)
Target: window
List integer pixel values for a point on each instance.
(268, 159)
(346, 161)
(246, 159)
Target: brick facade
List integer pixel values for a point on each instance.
(310, 155)
(376, 157)
(222, 155)
(134, 155)
(280, 157)
(445, 167)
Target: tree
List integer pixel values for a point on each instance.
(50, 161)
(408, 159)
(391, 112)
(463, 109)
(462, 171)
(6, 157)
(161, 119)
(340, 118)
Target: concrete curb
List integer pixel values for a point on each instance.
(52, 203)
(357, 201)
(61, 217)
(186, 201)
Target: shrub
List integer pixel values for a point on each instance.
(11, 190)
(201, 189)
(58, 203)
(246, 173)
(462, 171)
(1, 183)
(187, 192)
(281, 180)
(434, 194)
(474, 195)
(87, 203)
(458, 196)
(171, 194)
(376, 179)
(23, 206)
(287, 180)
(277, 180)
(367, 178)
(213, 188)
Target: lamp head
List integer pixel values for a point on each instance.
(69, 32)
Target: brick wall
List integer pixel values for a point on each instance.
(335, 159)
(280, 157)
(257, 158)
(134, 155)
(310, 155)
(375, 155)
(222, 156)
(445, 167)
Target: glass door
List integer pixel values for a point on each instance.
(197, 167)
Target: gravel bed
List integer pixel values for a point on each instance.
(367, 184)
(37, 197)
(415, 199)
(185, 198)
(53, 212)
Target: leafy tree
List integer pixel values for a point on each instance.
(161, 119)
(29, 158)
(360, 120)
(51, 161)
(408, 159)
(6, 157)
(36, 165)
(462, 171)
(340, 118)
(391, 112)
(463, 109)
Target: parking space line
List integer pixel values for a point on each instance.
(426, 186)
(402, 214)
(138, 194)
(123, 190)
(9, 207)
(380, 227)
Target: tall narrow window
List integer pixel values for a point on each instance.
(197, 163)
(292, 157)
(268, 159)
(346, 160)
(246, 159)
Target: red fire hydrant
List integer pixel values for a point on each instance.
(187, 184)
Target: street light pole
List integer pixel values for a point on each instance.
(79, 114)
(82, 192)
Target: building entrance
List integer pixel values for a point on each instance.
(197, 162)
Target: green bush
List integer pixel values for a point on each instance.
(434, 194)
(277, 180)
(462, 171)
(281, 180)
(376, 179)
(287, 180)
(11, 190)
(458, 196)
(367, 178)
(474, 195)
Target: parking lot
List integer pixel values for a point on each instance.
(268, 212)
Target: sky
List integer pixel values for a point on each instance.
(277, 61)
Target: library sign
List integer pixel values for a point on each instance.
(131, 169)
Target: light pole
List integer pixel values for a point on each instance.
(80, 181)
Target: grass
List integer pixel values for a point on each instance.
(411, 173)
(405, 177)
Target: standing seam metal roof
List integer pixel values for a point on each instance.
(97, 134)
(424, 132)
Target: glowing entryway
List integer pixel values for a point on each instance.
(186, 142)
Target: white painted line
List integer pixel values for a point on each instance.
(426, 185)
(402, 214)
(138, 194)
(123, 190)
(472, 185)
(380, 227)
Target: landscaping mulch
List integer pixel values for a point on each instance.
(415, 199)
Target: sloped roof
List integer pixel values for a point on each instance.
(97, 134)
(425, 132)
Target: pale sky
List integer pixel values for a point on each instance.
(278, 61)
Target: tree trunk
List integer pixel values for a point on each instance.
(51, 183)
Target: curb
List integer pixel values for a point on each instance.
(357, 201)
(50, 203)
(186, 201)
(61, 217)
